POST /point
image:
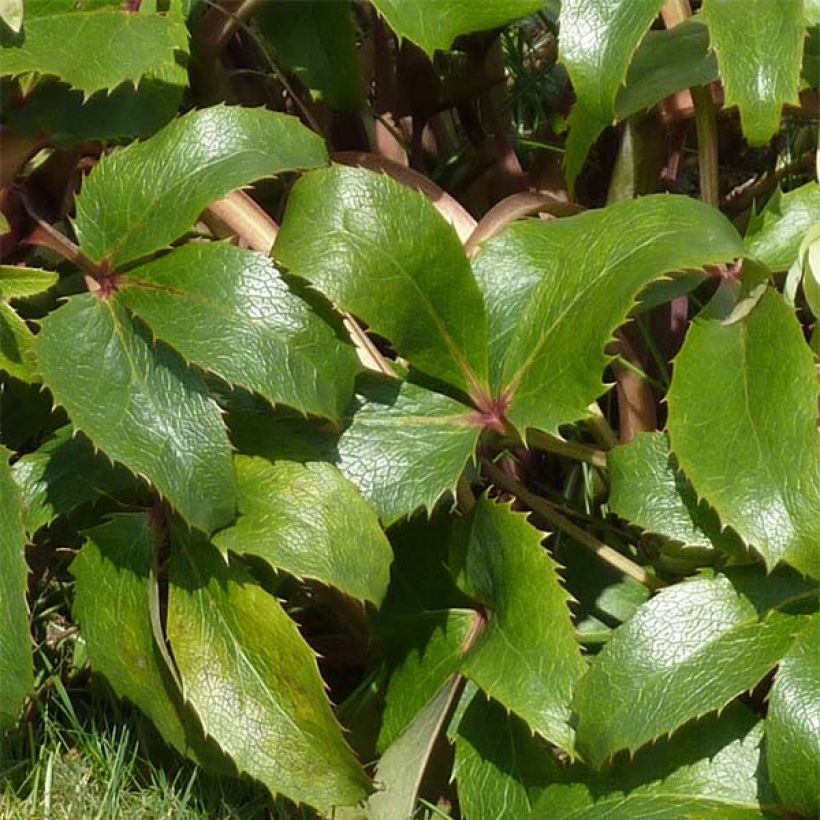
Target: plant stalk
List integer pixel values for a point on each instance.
(570, 449)
(546, 510)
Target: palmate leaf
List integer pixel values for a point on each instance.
(435, 25)
(254, 682)
(596, 45)
(140, 404)
(406, 446)
(316, 40)
(310, 521)
(15, 337)
(759, 46)
(793, 724)
(527, 657)
(557, 291)
(775, 235)
(685, 653)
(750, 386)
(648, 489)
(116, 47)
(111, 604)
(63, 474)
(16, 668)
(269, 340)
(383, 252)
(141, 198)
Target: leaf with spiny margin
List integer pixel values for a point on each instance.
(434, 26)
(556, 292)
(140, 405)
(686, 652)
(711, 768)
(281, 436)
(431, 647)
(94, 50)
(793, 724)
(15, 337)
(500, 766)
(16, 668)
(63, 474)
(310, 521)
(750, 386)
(775, 235)
(527, 657)
(666, 62)
(402, 766)
(269, 339)
(316, 40)
(141, 198)
(759, 46)
(406, 446)
(253, 681)
(648, 489)
(111, 604)
(597, 42)
(383, 252)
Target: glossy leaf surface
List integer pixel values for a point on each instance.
(526, 658)
(139, 404)
(116, 47)
(383, 252)
(597, 41)
(16, 672)
(310, 521)
(406, 446)
(685, 653)
(141, 198)
(793, 723)
(556, 292)
(759, 47)
(269, 340)
(435, 25)
(253, 681)
(750, 387)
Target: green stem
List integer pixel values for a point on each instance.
(706, 125)
(546, 510)
(571, 449)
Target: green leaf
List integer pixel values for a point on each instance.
(269, 340)
(500, 766)
(316, 41)
(685, 653)
(284, 435)
(435, 25)
(759, 46)
(432, 646)
(16, 670)
(597, 41)
(140, 405)
(711, 768)
(116, 47)
(402, 766)
(383, 252)
(750, 387)
(556, 291)
(111, 603)
(793, 724)
(62, 475)
(406, 446)
(310, 521)
(527, 657)
(648, 489)
(11, 13)
(16, 340)
(667, 61)
(141, 198)
(254, 682)
(781, 226)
